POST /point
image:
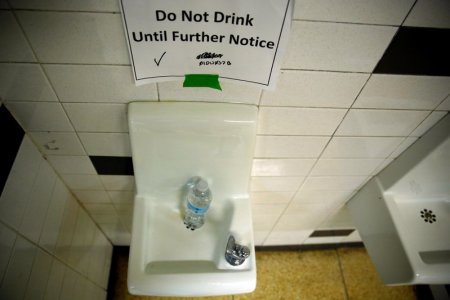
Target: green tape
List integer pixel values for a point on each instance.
(202, 80)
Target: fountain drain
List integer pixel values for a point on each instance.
(428, 216)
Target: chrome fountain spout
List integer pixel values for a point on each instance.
(236, 254)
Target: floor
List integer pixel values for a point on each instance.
(342, 273)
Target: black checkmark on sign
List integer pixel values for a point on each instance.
(159, 61)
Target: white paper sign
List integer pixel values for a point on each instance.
(240, 40)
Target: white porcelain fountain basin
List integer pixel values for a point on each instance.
(171, 143)
(403, 214)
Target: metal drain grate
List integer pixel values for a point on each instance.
(428, 216)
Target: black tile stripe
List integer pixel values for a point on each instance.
(11, 137)
(331, 233)
(417, 51)
(112, 165)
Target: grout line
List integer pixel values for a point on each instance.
(342, 274)
(157, 92)
(409, 12)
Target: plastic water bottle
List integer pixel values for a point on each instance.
(198, 199)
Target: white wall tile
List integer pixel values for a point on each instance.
(336, 46)
(445, 105)
(341, 219)
(361, 147)
(7, 239)
(80, 5)
(4, 4)
(70, 164)
(322, 196)
(39, 275)
(275, 184)
(287, 237)
(119, 198)
(40, 116)
(69, 284)
(366, 122)
(78, 246)
(298, 121)
(403, 92)
(118, 182)
(383, 165)
(403, 146)
(13, 45)
(118, 234)
(58, 143)
(66, 229)
(266, 215)
(332, 183)
(93, 83)
(53, 220)
(19, 269)
(289, 146)
(92, 196)
(41, 193)
(428, 123)
(315, 89)
(429, 13)
(106, 144)
(231, 92)
(83, 182)
(16, 193)
(90, 38)
(55, 280)
(271, 197)
(345, 167)
(100, 209)
(356, 11)
(282, 167)
(24, 82)
(95, 117)
(352, 238)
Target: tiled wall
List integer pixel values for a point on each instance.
(330, 125)
(49, 246)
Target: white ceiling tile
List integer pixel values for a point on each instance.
(322, 195)
(315, 89)
(91, 38)
(80, 5)
(93, 83)
(40, 116)
(281, 167)
(332, 183)
(429, 13)
(13, 44)
(445, 105)
(24, 82)
(403, 146)
(83, 182)
(275, 184)
(386, 12)
(271, 197)
(403, 92)
(231, 92)
(106, 144)
(118, 182)
(92, 196)
(336, 46)
(69, 164)
(58, 143)
(361, 147)
(345, 167)
(98, 117)
(289, 146)
(367, 122)
(298, 121)
(429, 122)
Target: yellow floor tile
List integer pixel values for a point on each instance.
(305, 275)
(362, 280)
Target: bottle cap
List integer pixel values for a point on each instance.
(201, 186)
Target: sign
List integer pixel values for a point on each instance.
(238, 40)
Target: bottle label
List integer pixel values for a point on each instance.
(197, 210)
